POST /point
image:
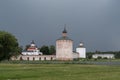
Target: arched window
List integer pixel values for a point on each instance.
(21, 58)
(28, 58)
(39, 58)
(44, 58)
(51, 58)
(33, 58)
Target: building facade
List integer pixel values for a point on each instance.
(32, 54)
(81, 50)
(35, 57)
(109, 56)
(32, 50)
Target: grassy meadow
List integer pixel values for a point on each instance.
(58, 72)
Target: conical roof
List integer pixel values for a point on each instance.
(65, 31)
(64, 36)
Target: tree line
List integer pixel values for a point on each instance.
(8, 45)
(48, 50)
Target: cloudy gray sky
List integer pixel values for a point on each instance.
(94, 22)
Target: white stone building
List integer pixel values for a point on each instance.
(109, 56)
(75, 55)
(35, 57)
(64, 47)
(81, 50)
(33, 53)
(32, 50)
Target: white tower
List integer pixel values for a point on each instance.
(81, 50)
(64, 47)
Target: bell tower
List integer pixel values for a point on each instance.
(81, 50)
(64, 47)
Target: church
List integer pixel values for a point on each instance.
(64, 50)
(32, 50)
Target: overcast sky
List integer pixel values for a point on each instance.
(94, 22)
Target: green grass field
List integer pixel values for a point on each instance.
(58, 72)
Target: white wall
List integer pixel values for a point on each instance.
(75, 55)
(35, 57)
(103, 55)
(81, 51)
(31, 53)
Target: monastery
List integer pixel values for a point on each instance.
(64, 50)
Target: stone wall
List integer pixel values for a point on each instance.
(64, 50)
(34, 57)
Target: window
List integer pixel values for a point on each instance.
(39, 58)
(33, 58)
(51, 58)
(44, 58)
(28, 58)
(21, 58)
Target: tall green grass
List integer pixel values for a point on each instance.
(58, 72)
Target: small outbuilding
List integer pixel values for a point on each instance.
(109, 56)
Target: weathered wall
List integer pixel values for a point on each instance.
(35, 57)
(64, 50)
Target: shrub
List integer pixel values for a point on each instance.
(105, 58)
(99, 57)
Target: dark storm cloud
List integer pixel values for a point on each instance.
(95, 22)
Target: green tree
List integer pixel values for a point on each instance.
(45, 50)
(52, 49)
(20, 49)
(8, 45)
(117, 55)
(89, 55)
(99, 57)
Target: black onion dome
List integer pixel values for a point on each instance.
(65, 31)
(64, 36)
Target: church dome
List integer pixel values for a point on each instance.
(81, 44)
(64, 35)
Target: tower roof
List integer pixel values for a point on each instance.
(65, 31)
(64, 35)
